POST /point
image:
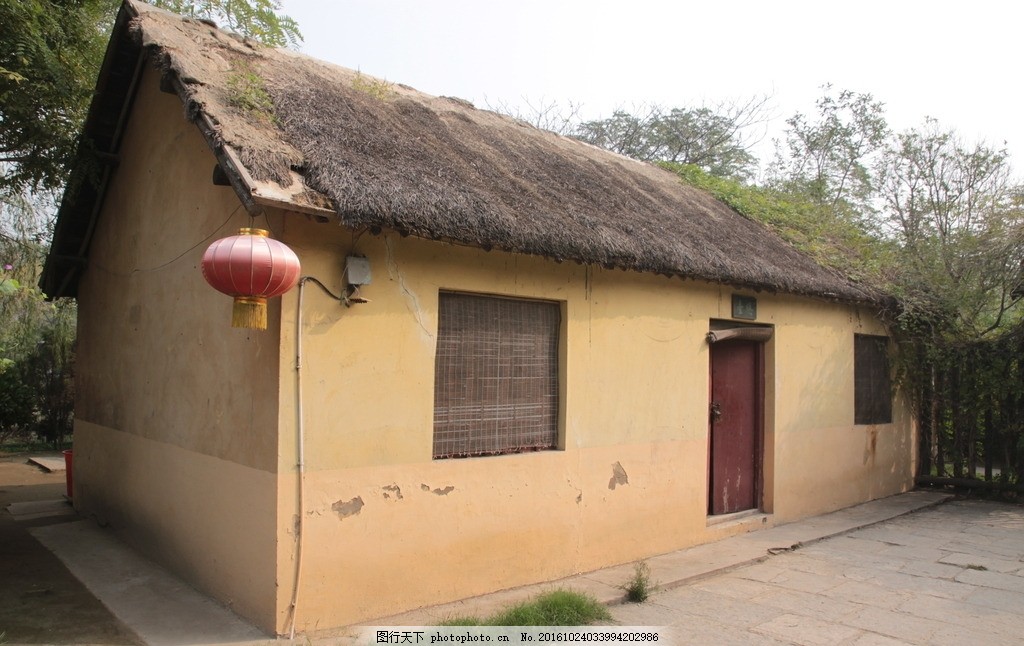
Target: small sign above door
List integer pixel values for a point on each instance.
(744, 307)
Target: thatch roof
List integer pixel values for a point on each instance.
(385, 157)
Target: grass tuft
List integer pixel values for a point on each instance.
(460, 621)
(247, 92)
(555, 608)
(377, 88)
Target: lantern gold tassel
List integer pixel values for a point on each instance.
(249, 312)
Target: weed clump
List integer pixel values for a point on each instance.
(376, 88)
(248, 93)
(639, 588)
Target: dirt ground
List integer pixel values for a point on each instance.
(40, 601)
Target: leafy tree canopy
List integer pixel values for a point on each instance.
(827, 157)
(50, 53)
(717, 139)
(959, 220)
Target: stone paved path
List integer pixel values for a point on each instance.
(952, 574)
(946, 574)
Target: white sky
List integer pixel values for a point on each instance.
(958, 62)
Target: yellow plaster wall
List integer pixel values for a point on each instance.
(386, 528)
(816, 441)
(194, 512)
(176, 413)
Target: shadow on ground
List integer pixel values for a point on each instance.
(40, 601)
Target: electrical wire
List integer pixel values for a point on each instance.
(323, 287)
(301, 451)
(172, 260)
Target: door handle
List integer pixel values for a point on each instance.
(715, 411)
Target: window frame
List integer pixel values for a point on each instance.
(872, 380)
(496, 400)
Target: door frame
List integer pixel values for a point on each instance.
(759, 408)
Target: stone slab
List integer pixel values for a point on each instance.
(49, 464)
(35, 509)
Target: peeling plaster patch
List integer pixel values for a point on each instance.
(392, 489)
(619, 476)
(349, 508)
(396, 275)
(438, 492)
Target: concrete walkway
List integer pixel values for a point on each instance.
(952, 575)
(41, 602)
(871, 584)
(160, 608)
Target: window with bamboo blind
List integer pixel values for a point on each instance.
(872, 392)
(495, 375)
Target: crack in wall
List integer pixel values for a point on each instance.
(412, 301)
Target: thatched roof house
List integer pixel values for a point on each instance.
(524, 390)
(296, 132)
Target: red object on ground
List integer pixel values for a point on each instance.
(69, 473)
(251, 267)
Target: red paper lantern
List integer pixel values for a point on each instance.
(251, 267)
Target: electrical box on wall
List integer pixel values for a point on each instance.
(357, 271)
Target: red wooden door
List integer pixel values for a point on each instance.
(736, 421)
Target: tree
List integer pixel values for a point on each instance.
(829, 159)
(542, 114)
(16, 403)
(256, 19)
(958, 218)
(624, 133)
(24, 232)
(717, 139)
(49, 56)
(36, 358)
(36, 336)
(48, 371)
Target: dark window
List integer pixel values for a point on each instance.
(872, 400)
(495, 376)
